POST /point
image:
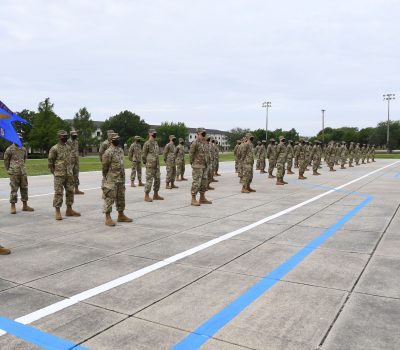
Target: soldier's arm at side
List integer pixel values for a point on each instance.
(144, 153)
(130, 152)
(7, 159)
(192, 152)
(105, 162)
(51, 159)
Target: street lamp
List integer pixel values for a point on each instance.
(266, 105)
(323, 125)
(388, 98)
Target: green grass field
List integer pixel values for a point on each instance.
(39, 166)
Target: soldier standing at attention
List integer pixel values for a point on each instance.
(302, 159)
(256, 154)
(368, 153)
(239, 154)
(216, 167)
(373, 153)
(363, 153)
(151, 160)
(105, 144)
(316, 157)
(296, 154)
(351, 154)
(271, 155)
(135, 156)
(357, 154)
(308, 149)
(261, 156)
(235, 150)
(281, 156)
(198, 160)
(343, 155)
(74, 145)
(213, 158)
(114, 184)
(169, 159)
(14, 162)
(180, 160)
(210, 155)
(61, 167)
(290, 155)
(247, 156)
(330, 154)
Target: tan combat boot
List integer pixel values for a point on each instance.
(157, 197)
(123, 218)
(194, 201)
(141, 184)
(26, 207)
(147, 198)
(214, 180)
(109, 222)
(270, 176)
(77, 191)
(58, 214)
(290, 172)
(217, 174)
(133, 184)
(342, 167)
(279, 181)
(351, 166)
(177, 178)
(251, 189)
(302, 177)
(13, 209)
(71, 212)
(203, 199)
(4, 251)
(168, 186)
(173, 185)
(315, 172)
(245, 190)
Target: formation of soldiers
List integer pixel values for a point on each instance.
(63, 163)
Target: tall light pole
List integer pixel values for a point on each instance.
(266, 105)
(388, 98)
(323, 125)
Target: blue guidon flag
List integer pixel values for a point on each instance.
(7, 130)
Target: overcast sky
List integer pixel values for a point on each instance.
(206, 63)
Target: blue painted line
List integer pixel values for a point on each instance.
(203, 333)
(397, 175)
(37, 337)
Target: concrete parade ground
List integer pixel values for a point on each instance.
(310, 265)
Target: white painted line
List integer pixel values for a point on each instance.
(51, 309)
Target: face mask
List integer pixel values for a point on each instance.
(181, 143)
(154, 135)
(173, 140)
(64, 139)
(74, 137)
(251, 139)
(115, 142)
(203, 134)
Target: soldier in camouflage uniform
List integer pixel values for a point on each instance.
(135, 156)
(150, 158)
(338, 151)
(343, 155)
(316, 157)
(210, 155)
(238, 142)
(256, 154)
(357, 154)
(74, 145)
(290, 155)
(368, 153)
(216, 166)
(239, 154)
(301, 152)
(247, 158)
(296, 154)
(308, 149)
(281, 156)
(198, 160)
(351, 154)
(105, 144)
(169, 159)
(180, 160)
(271, 155)
(330, 154)
(114, 184)
(60, 165)
(261, 155)
(14, 162)
(363, 153)
(373, 153)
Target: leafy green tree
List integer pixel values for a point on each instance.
(24, 128)
(235, 134)
(126, 124)
(84, 125)
(180, 130)
(46, 123)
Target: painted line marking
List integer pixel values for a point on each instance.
(37, 337)
(203, 333)
(397, 175)
(53, 308)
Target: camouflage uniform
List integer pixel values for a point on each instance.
(343, 155)
(235, 150)
(281, 156)
(198, 160)
(14, 162)
(61, 167)
(74, 146)
(290, 155)
(308, 149)
(150, 158)
(316, 153)
(337, 153)
(216, 166)
(363, 153)
(135, 156)
(357, 154)
(271, 155)
(256, 153)
(368, 153)
(373, 153)
(330, 154)
(114, 184)
(240, 163)
(296, 154)
(301, 153)
(351, 154)
(105, 144)
(169, 159)
(247, 158)
(261, 156)
(180, 160)
(210, 155)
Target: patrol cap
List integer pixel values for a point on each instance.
(114, 136)
(290, 141)
(171, 137)
(137, 138)
(208, 138)
(73, 132)
(181, 140)
(249, 135)
(264, 141)
(109, 132)
(302, 140)
(62, 133)
(282, 138)
(200, 130)
(238, 141)
(296, 142)
(271, 140)
(152, 131)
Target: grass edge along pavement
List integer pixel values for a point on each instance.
(37, 167)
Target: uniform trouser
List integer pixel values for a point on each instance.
(316, 163)
(240, 171)
(247, 177)
(262, 163)
(357, 159)
(153, 178)
(200, 180)
(216, 168)
(280, 167)
(75, 171)
(342, 161)
(289, 163)
(271, 165)
(180, 167)
(171, 172)
(373, 157)
(18, 182)
(136, 170)
(351, 160)
(309, 159)
(61, 183)
(114, 193)
(331, 161)
(363, 158)
(296, 161)
(302, 166)
(337, 159)
(236, 165)
(258, 164)
(210, 173)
